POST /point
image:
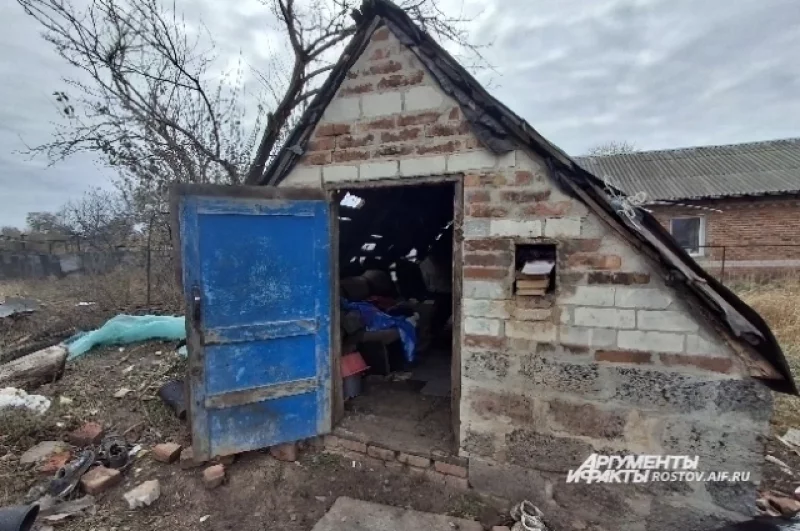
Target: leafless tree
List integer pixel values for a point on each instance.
(612, 148)
(100, 218)
(148, 98)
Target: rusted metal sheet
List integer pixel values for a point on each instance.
(257, 283)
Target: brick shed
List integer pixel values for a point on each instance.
(628, 348)
(734, 208)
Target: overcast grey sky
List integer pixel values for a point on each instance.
(658, 73)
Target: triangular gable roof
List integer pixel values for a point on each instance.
(500, 130)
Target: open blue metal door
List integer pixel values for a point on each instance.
(257, 283)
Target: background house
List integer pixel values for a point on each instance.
(733, 207)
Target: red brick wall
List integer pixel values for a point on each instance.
(757, 229)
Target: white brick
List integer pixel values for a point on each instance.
(532, 314)
(645, 298)
(484, 289)
(304, 177)
(666, 321)
(531, 163)
(423, 166)
(476, 228)
(485, 308)
(381, 104)
(605, 318)
(533, 331)
(420, 98)
(377, 170)
(513, 227)
(700, 346)
(472, 160)
(332, 174)
(483, 327)
(591, 296)
(555, 227)
(588, 337)
(342, 109)
(650, 341)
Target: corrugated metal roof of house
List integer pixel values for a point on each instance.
(758, 168)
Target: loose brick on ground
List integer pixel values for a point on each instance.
(167, 452)
(414, 460)
(214, 476)
(100, 479)
(87, 435)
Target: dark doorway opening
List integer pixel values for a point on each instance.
(397, 313)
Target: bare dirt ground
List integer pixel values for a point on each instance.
(261, 492)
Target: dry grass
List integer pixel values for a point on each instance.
(779, 303)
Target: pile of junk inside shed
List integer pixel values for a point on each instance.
(396, 314)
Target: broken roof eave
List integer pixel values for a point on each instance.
(500, 131)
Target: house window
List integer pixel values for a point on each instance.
(690, 233)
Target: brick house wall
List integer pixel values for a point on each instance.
(746, 227)
(613, 361)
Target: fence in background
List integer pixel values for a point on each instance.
(765, 261)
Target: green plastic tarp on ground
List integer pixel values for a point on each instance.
(124, 329)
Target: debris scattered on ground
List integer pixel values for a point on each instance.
(783, 466)
(55, 463)
(528, 517)
(41, 367)
(167, 452)
(65, 400)
(204, 518)
(284, 452)
(124, 329)
(67, 477)
(12, 306)
(100, 478)
(87, 435)
(128, 369)
(12, 398)
(775, 504)
(42, 451)
(114, 452)
(58, 511)
(214, 476)
(122, 392)
(143, 495)
(173, 394)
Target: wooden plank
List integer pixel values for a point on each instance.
(247, 192)
(337, 385)
(457, 272)
(41, 367)
(259, 394)
(260, 332)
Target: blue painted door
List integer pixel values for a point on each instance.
(256, 277)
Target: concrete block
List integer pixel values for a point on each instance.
(342, 110)
(414, 460)
(484, 289)
(532, 330)
(549, 375)
(666, 321)
(650, 341)
(533, 314)
(718, 447)
(645, 298)
(421, 98)
(337, 173)
(513, 227)
(167, 452)
(485, 308)
(546, 452)
(747, 398)
(304, 177)
(378, 170)
(380, 104)
(99, 479)
(587, 419)
(471, 160)
(214, 476)
(483, 327)
(590, 296)
(476, 228)
(511, 482)
(485, 366)
(423, 166)
(588, 337)
(605, 318)
(665, 391)
(380, 453)
(530, 162)
(143, 495)
(450, 469)
(560, 227)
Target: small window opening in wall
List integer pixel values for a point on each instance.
(535, 269)
(690, 233)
